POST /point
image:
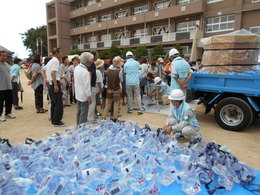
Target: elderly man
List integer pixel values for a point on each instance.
(181, 72)
(182, 118)
(52, 73)
(82, 81)
(131, 69)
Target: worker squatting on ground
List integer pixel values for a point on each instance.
(182, 118)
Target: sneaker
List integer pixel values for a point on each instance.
(130, 112)
(2, 119)
(10, 116)
(139, 112)
(60, 124)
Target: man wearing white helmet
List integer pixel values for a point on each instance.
(131, 70)
(163, 90)
(182, 118)
(181, 72)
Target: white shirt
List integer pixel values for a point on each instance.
(82, 83)
(144, 68)
(99, 78)
(52, 65)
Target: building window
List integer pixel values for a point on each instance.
(121, 14)
(187, 26)
(254, 1)
(159, 30)
(78, 5)
(219, 24)
(105, 37)
(162, 5)
(78, 23)
(105, 17)
(140, 10)
(213, 1)
(92, 39)
(186, 50)
(91, 21)
(255, 29)
(180, 2)
(121, 35)
(140, 32)
(91, 2)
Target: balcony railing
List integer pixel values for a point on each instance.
(149, 39)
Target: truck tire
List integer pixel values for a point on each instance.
(233, 114)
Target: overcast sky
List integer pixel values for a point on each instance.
(17, 16)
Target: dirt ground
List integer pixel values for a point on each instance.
(245, 145)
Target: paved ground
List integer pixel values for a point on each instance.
(245, 145)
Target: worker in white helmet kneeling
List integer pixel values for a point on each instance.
(182, 118)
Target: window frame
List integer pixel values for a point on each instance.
(104, 20)
(161, 29)
(252, 27)
(220, 23)
(213, 1)
(188, 28)
(116, 16)
(140, 12)
(142, 34)
(156, 3)
(182, 2)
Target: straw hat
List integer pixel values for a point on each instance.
(99, 63)
(118, 61)
(160, 60)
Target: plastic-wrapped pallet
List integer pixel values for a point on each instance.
(233, 52)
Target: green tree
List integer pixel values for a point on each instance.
(140, 52)
(35, 40)
(179, 48)
(104, 54)
(157, 52)
(114, 51)
(75, 52)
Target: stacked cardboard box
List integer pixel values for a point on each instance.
(233, 52)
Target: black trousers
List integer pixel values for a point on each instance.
(15, 93)
(38, 94)
(56, 104)
(6, 96)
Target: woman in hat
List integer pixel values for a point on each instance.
(114, 79)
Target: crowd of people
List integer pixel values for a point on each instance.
(90, 82)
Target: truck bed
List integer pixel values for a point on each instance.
(247, 85)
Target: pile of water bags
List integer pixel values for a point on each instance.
(117, 158)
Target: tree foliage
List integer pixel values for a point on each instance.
(179, 48)
(114, 51)
(157, 52)
(104, 54)
(34, 35)
(75, 52)
(140, 52)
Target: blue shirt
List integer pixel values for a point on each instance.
(179, 69)
(179, 114)
(15, 70)
(164, 88)
(131, 68)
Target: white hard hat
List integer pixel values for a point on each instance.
(173, 51)
(176, 94)
(157, 80)
(129, 53)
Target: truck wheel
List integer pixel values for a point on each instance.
(233, 114)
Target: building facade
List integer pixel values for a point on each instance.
(97, 24)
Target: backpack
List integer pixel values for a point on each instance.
(28, 73)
